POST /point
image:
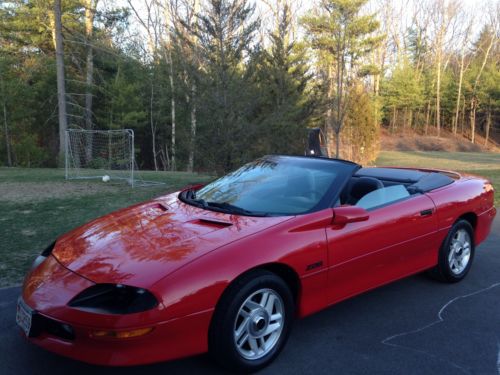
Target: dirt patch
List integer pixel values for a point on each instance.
(21, 192)
(411, 141)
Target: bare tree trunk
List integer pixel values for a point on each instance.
(377, 102)
(153, 127)
(61, 87)
(443, 15)
(6, 132)
(463, 118)
(193, 129)
(438, 95)
(172, 107)
(427, 117)
(473, 101)
(167, 157)
(488, 126)
(415, 119)
(89, 81)
(193, 96)
(460, 79)
(473, 119)
(338, 124)
(339, 121)
(376, 85)
(151, 24)
(405, 116)
(169, 17)
(337, 143)
(5, 124)
(379, 61)
(329, 113)
(394, 118)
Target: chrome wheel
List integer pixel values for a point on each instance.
(259, 324)
(460, 251)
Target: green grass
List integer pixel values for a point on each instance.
(482, 164)
(36, 206)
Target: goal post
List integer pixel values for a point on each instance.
(92, 154)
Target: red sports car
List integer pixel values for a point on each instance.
(227, 267)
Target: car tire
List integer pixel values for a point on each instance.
(246, 309)
(456, 253)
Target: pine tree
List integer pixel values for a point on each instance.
(225, 32)
(281, 74)
(361, 132)
(402, 90)
(342, 33)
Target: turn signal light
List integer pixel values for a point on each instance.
(121, 334)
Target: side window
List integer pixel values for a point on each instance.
(383, 196)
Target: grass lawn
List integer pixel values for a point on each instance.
(482, 164)
(38, 205)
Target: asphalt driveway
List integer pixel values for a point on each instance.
(414, 326)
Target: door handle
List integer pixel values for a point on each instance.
(426, 212)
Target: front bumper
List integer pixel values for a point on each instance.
(170, 340)
(49, 287)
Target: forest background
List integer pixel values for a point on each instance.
(207, 85)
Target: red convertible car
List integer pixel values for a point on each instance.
(227, 267)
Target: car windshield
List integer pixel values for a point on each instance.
(275, 185)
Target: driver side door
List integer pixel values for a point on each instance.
(398, 239)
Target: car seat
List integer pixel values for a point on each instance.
(362, 186)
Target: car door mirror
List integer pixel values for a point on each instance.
(349, 214)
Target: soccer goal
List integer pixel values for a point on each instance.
(102, 154)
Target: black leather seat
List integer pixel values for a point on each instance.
(362, 186)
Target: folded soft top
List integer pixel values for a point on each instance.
(416, 181)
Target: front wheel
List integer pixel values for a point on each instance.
(251, 322)
(456, 253)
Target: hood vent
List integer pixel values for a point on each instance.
(212, 222)
(161, 207)
(157, 207)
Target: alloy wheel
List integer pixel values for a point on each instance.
(460, 251)
(259, 324)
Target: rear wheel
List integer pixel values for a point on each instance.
(456, 253)
(252, 321)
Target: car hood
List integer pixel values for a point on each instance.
(141, 244)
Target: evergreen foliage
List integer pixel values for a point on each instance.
(210, 84)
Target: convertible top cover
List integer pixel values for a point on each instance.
(418, 181)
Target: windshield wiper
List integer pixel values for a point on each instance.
(190, 196)
(230, 208)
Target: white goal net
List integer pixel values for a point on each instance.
(103, 154)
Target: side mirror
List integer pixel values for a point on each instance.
(349, 214)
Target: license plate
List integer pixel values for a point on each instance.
(24, 316)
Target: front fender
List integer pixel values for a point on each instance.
(297, 243)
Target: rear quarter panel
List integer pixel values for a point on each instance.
(468, 195)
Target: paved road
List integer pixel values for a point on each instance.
(414, 326)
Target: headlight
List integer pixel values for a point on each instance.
(114, 299)
(44, 254)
